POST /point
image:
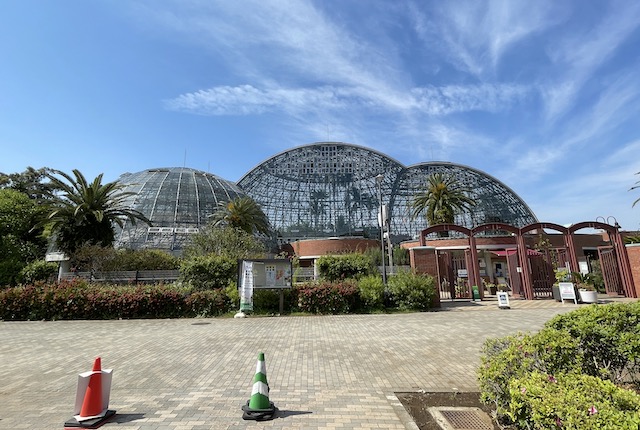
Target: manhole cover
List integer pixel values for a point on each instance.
(450, 418)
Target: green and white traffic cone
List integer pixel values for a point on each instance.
(259, 407)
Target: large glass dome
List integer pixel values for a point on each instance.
(178, 201)
(321, 190)
(494, 201)
(330, 189)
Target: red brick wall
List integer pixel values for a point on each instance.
(315, 247)
(424, 260)
(634, 261)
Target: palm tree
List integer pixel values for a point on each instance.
(633, 188)
(442, 199)
(243, 213)
(84, 213)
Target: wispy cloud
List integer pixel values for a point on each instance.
(475, 35)
(580, 53)
(432, 101)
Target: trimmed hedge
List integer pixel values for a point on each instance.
(529, 378)
(78, 299)
(328, 297)
(337, 267)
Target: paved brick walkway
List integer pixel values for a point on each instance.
(325, 372)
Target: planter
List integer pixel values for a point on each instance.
(588, 296)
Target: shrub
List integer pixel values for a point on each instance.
(38, 270)
(328, 298)
(79, 300)
(410, 291)
(208, 303)
(209, 272)
(608, 339)
(10, 272)
(142, 259)
(371, 292)
(586, 351)
(336, 267)
(571, 401)
(513, 357)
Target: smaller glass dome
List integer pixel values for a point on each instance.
(177, 201)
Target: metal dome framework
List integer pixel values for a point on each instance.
(177, 201)
(329, 189)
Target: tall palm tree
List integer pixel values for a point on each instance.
(635, 187)
(243, 213)
(442, 199)
(84, 213)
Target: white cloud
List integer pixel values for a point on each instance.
(578, 55)
(475, 35)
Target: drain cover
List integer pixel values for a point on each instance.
(450, 418)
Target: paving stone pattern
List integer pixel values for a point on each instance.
(325, 372)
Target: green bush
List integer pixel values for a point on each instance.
(371, 292)
(10, 272)
(571, 401)
(328, 298)
(337, 267)
(209, 272)
(408, 291)
(80, 300)
(38, 270)
(207, 303)
(608, 339)
(142, 259)
(513, 357)
(587, 350)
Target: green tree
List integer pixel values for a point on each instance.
(442, 198)
(84, 213)
(635, 187)
(20, 242)
(226, 241)
(243, 213)
(30, 182)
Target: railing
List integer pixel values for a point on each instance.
(127, 276)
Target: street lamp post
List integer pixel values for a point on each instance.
(381, 222)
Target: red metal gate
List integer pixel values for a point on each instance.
(542, 276)
(610, 271)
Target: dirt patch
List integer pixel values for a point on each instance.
(417, 405)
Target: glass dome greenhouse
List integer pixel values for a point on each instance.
(178, 201)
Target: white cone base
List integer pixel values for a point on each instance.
(91, 423)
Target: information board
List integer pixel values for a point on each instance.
(567, 292)
(503, 300)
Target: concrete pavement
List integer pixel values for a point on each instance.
(325, 372)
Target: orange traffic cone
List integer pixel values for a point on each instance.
(92, 398)
(92, 402)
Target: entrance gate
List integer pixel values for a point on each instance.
(541, 276)
(610, 272)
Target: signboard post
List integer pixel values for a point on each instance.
(246, 287)
(268, 274)
(567, 292)
(503, 300)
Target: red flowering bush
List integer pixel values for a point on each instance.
(78, 299)
(328, 298)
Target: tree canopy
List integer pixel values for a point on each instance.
(442, 199)
(84, 213)
(243, 213)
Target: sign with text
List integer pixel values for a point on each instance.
(567, 292)
(246, 286)
(503, 300)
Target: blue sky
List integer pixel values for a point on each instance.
(543, 95)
